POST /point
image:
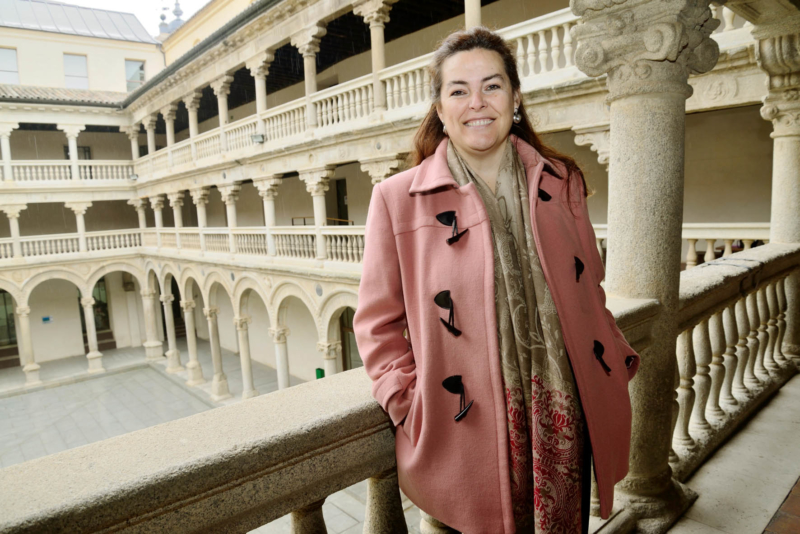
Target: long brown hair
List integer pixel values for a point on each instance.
(430, 132)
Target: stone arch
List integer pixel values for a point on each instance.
(332, 308)
(12, 289)
(189, 276)
(151, 280)
(167, 274)
(209, 294)
(242, 291)
(278, 303)
(53, 274)
(100, 272)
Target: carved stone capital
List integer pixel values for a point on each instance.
(138, 203)
(596, 137)
(259, 64)
(783, 109)
(166, 299)
(241, 322)
(169, 111)
(187, 306)
(644, 47)
(330, 351)
(79, 208)
(6, 128)
(131, 131)
(192, 100)
(175, 199)
(307, 40)
(149, 122)
(268, 187)
(211, 313)
(380, 169)
(87, 302)
(23, 311)
(12, 210)
(71, 130)
(222, 85)
(147, 293)
(279, 334)
(375, 12)
(779, 57)
(199, 195)
(229, 193)
(157, 202)
(317, 180)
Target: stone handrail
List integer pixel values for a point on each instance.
(730, 357)
(49, 170)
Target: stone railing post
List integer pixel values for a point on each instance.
(200, 199)
(192, 101)
(12, 212)
(778, 54)
(309, 519)
(259, 69)
(72, 131)
(647, 50)
(222, 88)
(29, 365)
(384, 512)
(5, 147)
(281, 355)
(598, 138)
(268, 189)
(79, 209)
(317, 183)
(307, 43)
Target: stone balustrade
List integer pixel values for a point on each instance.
(88, 170)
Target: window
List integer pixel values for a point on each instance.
(9, 73)
(134, 74)
(76, 73)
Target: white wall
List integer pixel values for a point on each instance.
(262, 349)
(48, 144)
(62, 337)
(301, 343)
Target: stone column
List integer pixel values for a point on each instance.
(79, 209)
(331, 353)
(94, 356)
(157, 203)
(132, 132)
(149, 123)
(647, 50)
(222, 88)
(384, 511)
(317, 183)
(193, 368)
(200, 199)
(173, 354)
(12, 212)
(376, 14)
(5, 147)
(248, 389)
(778, 54)
(192, 101)
(381, 168)
(176, 202)
(472, 13)
(72, 131)
(259, 69)
(219, 384)
(168, 112)
(307, 42)
(268, 189)
(29, 365)
(152, 346)
(230, 194)
(281, 355)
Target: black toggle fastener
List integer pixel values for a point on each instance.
(454, 385)
(448, 218)
(629, 361)
(443, 300)
(578, 269)
(599, 349)
(544, 195)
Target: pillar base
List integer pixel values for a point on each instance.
(657, 513)
(430, 525)
(219, 388)
(195, 374)
(95, 362)
(32, 375)
(250, 394)
(153, 351)
(174, 361)
(791, 352)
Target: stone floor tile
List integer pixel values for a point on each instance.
(690, 526)
(336, 520)
(792, 503)
(784, 523)
(348, 503)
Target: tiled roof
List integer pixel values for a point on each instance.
(49, 16)
(28, 93)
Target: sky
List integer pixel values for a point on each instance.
(147, 11)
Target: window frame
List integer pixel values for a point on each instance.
(74, 77)
(143, 71)
(16, 64)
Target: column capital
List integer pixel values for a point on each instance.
(330, 351)
(381, 168)
(131, 131)
(149, 122)
(23, 311)
(157, 202)
(644, 47)
(279, 334)
(12, 210)
(779, 57)
(307, 40)
(222, 85)
(597, 137)
(138, 203)
(147, 293)
(175, 199)
(229, 193)
(317, 180)
(7, 127)
(199, 195)
(258, 65)
(268, 187)
(211, 312)
(241, 322)
(169, 111)
(187, 305)
(192, 100)
(374, 12)
(87, 302)
(166, 299)
(71, 130)
(79, 208)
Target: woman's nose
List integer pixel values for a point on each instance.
(476, 100)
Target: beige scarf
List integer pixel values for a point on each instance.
(545, 421)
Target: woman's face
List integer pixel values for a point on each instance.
(477, 102)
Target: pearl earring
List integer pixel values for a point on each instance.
(444, 129)
(517, 117)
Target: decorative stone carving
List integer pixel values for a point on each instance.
(375, 12)
(279, 334)
(381, 168)
(138, 203)
(79, 208)
(222, 85)
(192, 100)
(169, 111)
(259, 64)
(268, 187)
(644, 47)
(175, 199)
(131, 131)
(330, 351)
(23, 311)
(317, 180)
(166, 299)
(87, 302)
(12, 211)
(157, 202)
(71, 130)
(241, 322)
(149, 122)
(779, 57)
(187, 305)
(596, 137)
(199, 196)
(229, 193)
(6, 128)
(307, 40)
(211, 313)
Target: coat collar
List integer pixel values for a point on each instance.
(433, 172)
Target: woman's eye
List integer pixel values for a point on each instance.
(493, 87)
(456, 92)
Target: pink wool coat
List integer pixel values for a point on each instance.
(458, 471)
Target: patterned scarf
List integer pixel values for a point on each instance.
(545, 421)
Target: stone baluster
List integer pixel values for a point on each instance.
(730, 357)
(687, 367)
(309, 519)
(149, 123)
(317, 183)
(222, 88)
(676, 410)
(728, 248)
(742, 350)
(780, 357)
(230, 194)
(691, 254)
(25, 342)
(307, 43)
(717, 368)
(647, 50)
(5, 147)
(750, 379)
(152, 346)
(376, 14)
(710, 254)
(12, 211)
(193, 368)
(200, 199)
(382, 167)
(770, 364)
(192, 102)
(248, 389)
(94, 356)
(268, 189)
(259, 69)
(702, 382)
(173, 354)
(281, 355)
(760, 369)
(384, 511)
(219, 384)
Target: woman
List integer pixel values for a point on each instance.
(513, 372)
